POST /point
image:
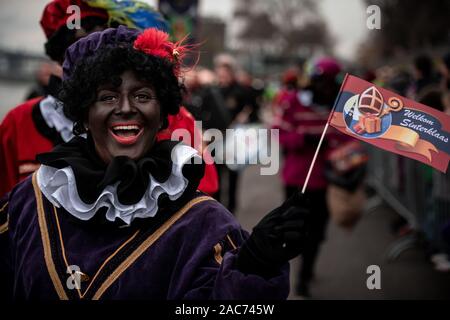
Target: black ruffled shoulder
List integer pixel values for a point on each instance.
(92, 175)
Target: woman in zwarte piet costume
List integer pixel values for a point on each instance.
(39, 124)
(121, 209)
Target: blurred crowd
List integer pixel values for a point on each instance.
(297, 102)
(425, 79)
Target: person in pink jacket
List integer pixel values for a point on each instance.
(301, 123)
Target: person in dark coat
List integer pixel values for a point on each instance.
(304, 114)
(239, 106)
(117, 215)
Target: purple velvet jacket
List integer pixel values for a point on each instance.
(188, 253)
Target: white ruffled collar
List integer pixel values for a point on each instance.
(53, 114)
(59, 187)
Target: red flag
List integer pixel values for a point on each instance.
(392, 122)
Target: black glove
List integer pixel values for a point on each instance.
(277, 238)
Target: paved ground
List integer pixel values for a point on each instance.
(345, 256)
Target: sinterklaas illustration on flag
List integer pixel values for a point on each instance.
(392, 122)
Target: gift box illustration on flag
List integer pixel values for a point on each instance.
(392, 122)
(367, 114)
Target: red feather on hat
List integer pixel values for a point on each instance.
(156, 42)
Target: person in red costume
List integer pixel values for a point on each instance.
(184, 120)
(39, 124)
(303, 115)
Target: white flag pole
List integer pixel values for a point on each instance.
(315, 157)
(322, 137)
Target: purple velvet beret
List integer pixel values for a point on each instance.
(87, 46)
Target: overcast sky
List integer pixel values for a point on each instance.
(19, 22)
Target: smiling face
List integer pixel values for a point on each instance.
(124, 120)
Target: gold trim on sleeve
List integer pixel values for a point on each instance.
(218, 253)
(231, 242)
(4, 206)
(4, 227)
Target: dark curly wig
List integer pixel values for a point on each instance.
(105, 66)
